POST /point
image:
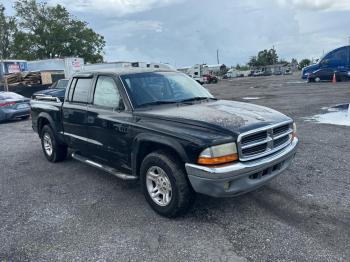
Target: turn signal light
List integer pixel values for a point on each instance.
(217, 160)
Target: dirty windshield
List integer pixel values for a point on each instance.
(163, 87)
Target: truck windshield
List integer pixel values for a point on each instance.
(156, 88)
(62, 84)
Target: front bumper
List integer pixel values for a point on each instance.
(242, 177)
(9, 114)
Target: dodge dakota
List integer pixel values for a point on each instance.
(167, 131)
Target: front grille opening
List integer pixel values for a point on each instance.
(280, 141)
(280, 130)
(267, 171)
(254, 150)
(255, 176)
(254, 137)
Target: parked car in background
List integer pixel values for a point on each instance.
(60, 84)
(258, 73)
(326, 74)
(56, 90)
(210, 79)
(251, 73)
(287, 72)
(277, 72)
(166, 130)
(13, 106)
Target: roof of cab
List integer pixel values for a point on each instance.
(122, 71)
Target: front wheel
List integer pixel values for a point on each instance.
(53, 151)
(165, 185)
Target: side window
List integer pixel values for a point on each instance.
(106, 93)
(81, 90)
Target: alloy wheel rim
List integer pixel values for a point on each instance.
(47, 144)
(158, 186)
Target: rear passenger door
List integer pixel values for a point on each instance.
(74, 113)
(109, 123)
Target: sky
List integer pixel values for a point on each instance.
(187, 32)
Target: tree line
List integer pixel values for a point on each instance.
(41, 31)
(269, 57)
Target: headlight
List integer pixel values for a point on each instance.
(220, 154)
(294, 131)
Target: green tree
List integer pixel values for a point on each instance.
(242, 67)
(253, 61)
(303, 63)
(8, 30)
(49, 31)
(264, 57)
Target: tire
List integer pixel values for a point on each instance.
(317, 79)
(53, 151)
(182, 195)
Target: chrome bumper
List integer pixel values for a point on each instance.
(241, 177)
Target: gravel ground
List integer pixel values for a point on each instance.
(72, 212)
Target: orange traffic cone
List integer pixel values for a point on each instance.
(334, 80)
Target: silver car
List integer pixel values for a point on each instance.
(13, 106)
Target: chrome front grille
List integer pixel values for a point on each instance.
(264, 141)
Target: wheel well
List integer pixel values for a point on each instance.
(42, 121)
(146, 148)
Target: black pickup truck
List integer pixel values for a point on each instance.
(168, 131)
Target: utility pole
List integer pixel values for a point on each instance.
(217, 56)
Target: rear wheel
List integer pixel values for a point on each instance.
(317, 79)
(165, 185)
(53, 151)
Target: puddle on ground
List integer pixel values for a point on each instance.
(252, 97)
(335, 115)
(296, 82)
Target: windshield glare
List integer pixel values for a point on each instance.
(153, 87)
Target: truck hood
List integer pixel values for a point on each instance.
(55, 92)
(222, 115)
(308, 70)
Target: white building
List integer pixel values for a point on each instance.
(69, 65)
(124, 64)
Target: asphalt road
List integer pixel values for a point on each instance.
(72, 212)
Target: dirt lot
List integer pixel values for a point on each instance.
(69, 211)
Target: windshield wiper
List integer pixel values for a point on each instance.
(157, 103)
(197, 98)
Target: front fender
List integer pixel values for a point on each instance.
(157, 139)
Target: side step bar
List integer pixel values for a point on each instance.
(105, 168)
